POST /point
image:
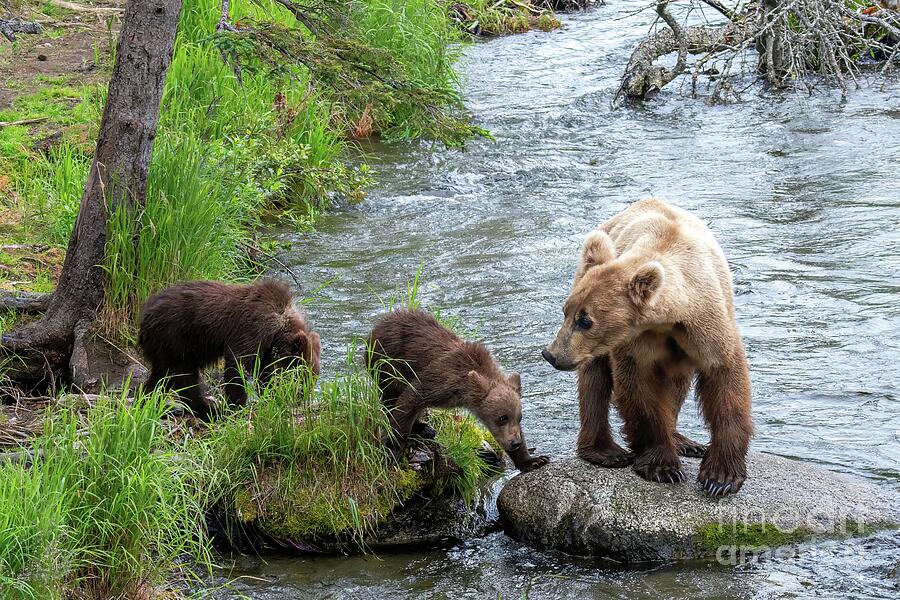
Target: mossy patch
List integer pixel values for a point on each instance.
(291, 503)
(758, 536)
(307, 462)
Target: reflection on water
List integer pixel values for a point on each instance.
(803, 194)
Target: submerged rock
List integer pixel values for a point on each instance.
(579, 508)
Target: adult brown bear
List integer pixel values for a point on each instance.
(420, 364)
(190, 326)
(651, 309)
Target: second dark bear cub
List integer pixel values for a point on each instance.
(420, 364)
(190, 326)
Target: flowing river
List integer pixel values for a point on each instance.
(802, 192)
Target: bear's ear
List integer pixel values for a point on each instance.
(515, 381)
(645, 283)
(481, 383)
(598, 249)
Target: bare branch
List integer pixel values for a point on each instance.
(9, 28)
(23, 301)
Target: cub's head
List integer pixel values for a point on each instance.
(608, 300)
(296, 344)
(499, 407)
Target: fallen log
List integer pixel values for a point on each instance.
(29, 302)
(10, 27)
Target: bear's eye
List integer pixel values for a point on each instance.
(583, 322)
(503, 420)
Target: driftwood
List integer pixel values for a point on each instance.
(23, 122)
(792, 39)
(9, 28)
(23, 301)
(86, 9)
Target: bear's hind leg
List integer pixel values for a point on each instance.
(645, 403)
(725, 400)
(595, 441)
(685, 445)
(402, 416)
(189, 387)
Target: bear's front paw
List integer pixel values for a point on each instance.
(611, 458)
(424, 431)
(658, 467)
(533, 462)
(717, 478)
(690, 448)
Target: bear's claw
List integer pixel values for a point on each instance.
(720, 479)
(660, 473)
(690, 448)
(715, 487)
(535, 462)
(613, 458)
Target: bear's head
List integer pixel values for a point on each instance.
(608, 304)
(294, 345)
(498, 404)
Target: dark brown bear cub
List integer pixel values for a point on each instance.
(420, 364)
(190, 326)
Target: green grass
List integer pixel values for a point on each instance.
(233, 150)
(109, 513)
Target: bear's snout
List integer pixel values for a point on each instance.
(548, 356)
(515, 445)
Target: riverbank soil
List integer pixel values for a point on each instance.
(44, 78)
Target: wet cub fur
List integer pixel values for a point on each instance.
(420, 364)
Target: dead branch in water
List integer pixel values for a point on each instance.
(792, 40)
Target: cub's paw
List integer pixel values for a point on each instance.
(652, 467)
(717, 479)
(534, 462)
(424, 431)
(690, 448)
(612, 458)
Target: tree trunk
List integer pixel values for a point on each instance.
(118, 177)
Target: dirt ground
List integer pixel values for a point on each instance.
(73, 47)
(67, 46)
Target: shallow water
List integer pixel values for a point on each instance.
(803, 194)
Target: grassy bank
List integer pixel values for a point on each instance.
(244, 135)
(104, 511)
(115, 502)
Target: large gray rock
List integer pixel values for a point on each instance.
(583, 509)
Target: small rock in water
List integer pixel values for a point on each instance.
(579, 508)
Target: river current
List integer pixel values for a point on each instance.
(803, 193)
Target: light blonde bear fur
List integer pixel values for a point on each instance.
(651, 309)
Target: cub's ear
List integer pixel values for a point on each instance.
(598, 249)
(646, 283)
(515, 380)
(481, 383)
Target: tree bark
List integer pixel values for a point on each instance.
(118, 177)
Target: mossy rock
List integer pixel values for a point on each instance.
(579, 508)
(283, 509)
